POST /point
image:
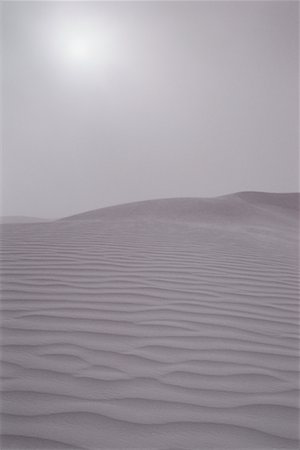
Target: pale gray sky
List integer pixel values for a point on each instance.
(107, 103)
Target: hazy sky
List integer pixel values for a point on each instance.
(107, 103)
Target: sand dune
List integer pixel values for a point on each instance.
(21, 219)
(164, 324)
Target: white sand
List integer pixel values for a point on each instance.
(169, 324)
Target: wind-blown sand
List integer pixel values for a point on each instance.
(168, 324)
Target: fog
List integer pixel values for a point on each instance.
(107, 103)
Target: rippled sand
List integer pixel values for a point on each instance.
(169, 324)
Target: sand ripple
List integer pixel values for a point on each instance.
(158, 330)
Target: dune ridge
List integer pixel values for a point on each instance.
(164, 324)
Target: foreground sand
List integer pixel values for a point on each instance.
(167, 324)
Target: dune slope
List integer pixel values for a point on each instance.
(168, 324)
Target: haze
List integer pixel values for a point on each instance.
(108, 103)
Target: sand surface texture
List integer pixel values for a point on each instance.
(167, 324)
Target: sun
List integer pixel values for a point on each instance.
(83, 47)
(86, 50)
(79, 49)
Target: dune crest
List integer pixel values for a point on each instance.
(244, 208)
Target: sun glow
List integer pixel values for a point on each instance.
(83, 47)
(78, 50)
(86, 49)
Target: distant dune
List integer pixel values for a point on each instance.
(164, 324)
(244, 207)
(20, 219)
